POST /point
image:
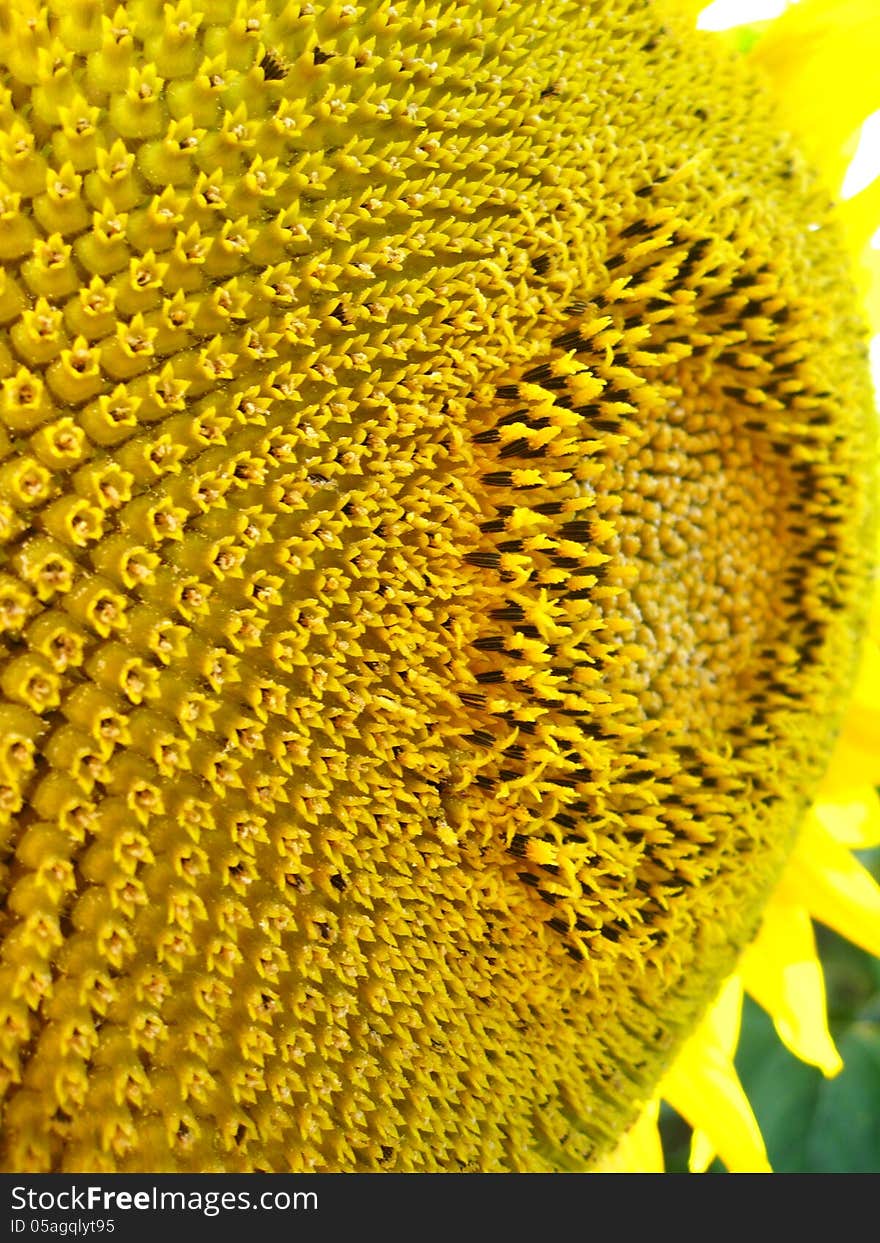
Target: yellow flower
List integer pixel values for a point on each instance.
(836, 44)
(437, 492)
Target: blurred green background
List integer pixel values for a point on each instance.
(812, 1125)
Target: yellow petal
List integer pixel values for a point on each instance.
(822, 56)
(856, 753)
(640, 1151)
(719, 1033)
(834, 887)
(704, 1088)
(720, 1028)
(710, 1096)
(861, 216)
(781, 970)
(850, 813)
(702, 1153)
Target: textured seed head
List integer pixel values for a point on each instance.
(435, 493)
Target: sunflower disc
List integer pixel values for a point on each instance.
(436, 500)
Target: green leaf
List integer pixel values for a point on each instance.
(852, 977)
(845, 1133)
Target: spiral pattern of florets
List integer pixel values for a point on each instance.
(435, 501)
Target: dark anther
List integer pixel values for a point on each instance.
(273, 67)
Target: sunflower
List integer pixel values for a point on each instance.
(834, 44)
(437, 495)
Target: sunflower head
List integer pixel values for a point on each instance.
(438, 501)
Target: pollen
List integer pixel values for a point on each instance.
(436, 496)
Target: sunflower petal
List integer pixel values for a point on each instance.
(710, 1096)
(781, 970)
(858, 748)
(861, 216)
(851, 814)
(704, 1088)
(834, 887)
(702, 1153)
(820, 50)
(720, 1027)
